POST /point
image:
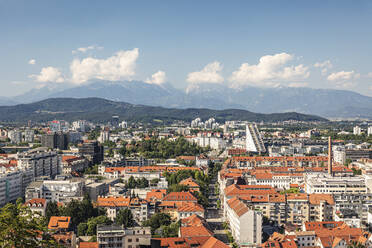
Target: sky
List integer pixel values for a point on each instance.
(317, 44)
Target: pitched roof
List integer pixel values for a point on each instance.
(193, 220)
(59, 222)
(113, 201)
(190, 207)
(191, 183)
(237, 206)
(212, 242)
(195, 231)
(239, 190)
(156, 194)
(38, 201)
(179, 196)
(297, 197)
(317, 198)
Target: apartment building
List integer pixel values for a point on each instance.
(10, 186)
(71, 164)
(113, 204)
(348, 192)
(62, 189)
(119, 237)
(254, 142)
(276, 180)
(245, 223)
(41, 161)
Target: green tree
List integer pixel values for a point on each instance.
(157, 220)
(125, 217)
(170, 230)
(51, 210)
(177, 188)
(131, 184)
(79, 211)
(94, 221)
(20, 228)
(82, 229)
(91, 170)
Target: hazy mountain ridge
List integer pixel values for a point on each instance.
(323, 102)
(102, 110)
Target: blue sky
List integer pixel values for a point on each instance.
(189, 42)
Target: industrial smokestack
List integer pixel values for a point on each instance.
(329, 155)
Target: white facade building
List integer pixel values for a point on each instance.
(369, 131)
(245, 223)
(357, 130)
(10, 187)
(254, 142)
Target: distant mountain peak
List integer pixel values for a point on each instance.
(323, 102)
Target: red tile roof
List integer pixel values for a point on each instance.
(37, 201)
(180, 196)
(88, 245)
(212, 242)
(237, 206)
(195, 231)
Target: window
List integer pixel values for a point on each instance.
(129, 240)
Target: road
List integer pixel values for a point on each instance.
(213, 215)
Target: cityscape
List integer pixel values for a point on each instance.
(274, 153)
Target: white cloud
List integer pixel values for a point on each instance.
(86, 49)
(269, 71)
(343, 75)
(157, 78)
(209, 74)
(344, 79)
(324, 66)
(49, 74)
(369, 75)
(32, 61)
(120, 66)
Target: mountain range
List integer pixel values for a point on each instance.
(328, 103)
(102, 110)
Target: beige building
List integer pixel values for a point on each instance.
(245, 223)
(118, 237)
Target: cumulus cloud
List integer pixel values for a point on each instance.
(324, 66)
(343, 75)
(157, 78)
(209, 74)
(270, 71)
(120, 66)
(49, 74)
(86, 49)
(344, 79)
(32, 61)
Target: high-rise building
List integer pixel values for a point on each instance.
(55, 140)
(357, 130)
(329, 155)
(29, 135)
(15, 136)
(10, 186)
(58, 126)
(92, 151)
(105, 135)
(369, 130)
(115, 121)
(254, 142)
